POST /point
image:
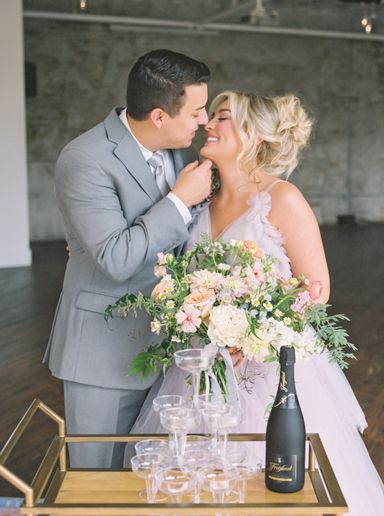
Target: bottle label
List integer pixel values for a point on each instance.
(281, 468)
(283, 382)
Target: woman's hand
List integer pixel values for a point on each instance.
(315, 290)
(236, 356)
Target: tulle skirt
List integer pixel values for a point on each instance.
(329, 407)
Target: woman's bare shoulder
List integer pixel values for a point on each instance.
(287, 199)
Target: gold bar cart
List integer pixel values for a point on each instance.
(75, 492)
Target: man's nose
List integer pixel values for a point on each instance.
(203, 117)
(209, 125)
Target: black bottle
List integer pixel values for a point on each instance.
(285, 438)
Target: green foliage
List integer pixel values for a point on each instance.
(271, 300)
(333, 336)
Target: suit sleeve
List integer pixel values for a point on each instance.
(91, 207)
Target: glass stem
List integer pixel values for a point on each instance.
(171, 442)
(242, 486)
(218, 496)
(180, 439)
(151, 488)
(196, 387)
(223, 450)
(214, 438)
(196, 497)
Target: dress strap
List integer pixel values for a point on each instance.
(270, 186)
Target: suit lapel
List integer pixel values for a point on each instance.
(128, 152)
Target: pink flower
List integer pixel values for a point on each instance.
(161, 259)
(258, 271)
(202, 300)
(303, 300)
(160, 271)
(189, 318)
(155, 326)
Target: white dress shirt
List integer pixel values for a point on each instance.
(169, 168)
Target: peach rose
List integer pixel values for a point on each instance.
(166, 286)
(252, 248)
(203, 300)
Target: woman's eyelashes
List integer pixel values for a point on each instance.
(219, 119)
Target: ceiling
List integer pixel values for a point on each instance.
(338, 16)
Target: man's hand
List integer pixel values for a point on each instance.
(193, 184)
(236, 356)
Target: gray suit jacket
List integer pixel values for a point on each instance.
(116, 222)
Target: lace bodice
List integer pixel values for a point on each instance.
(251, 225)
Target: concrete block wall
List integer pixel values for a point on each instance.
(82, 71)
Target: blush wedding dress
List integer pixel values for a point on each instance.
(328, 403)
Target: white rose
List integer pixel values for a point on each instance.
(228, 326)
(256, 348)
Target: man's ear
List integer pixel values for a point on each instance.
(157, 117)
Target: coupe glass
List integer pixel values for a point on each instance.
(152, 446)
(229, 419)
(236, 453)
(178, 420)
(244, 473)
(168, 401)
(195, 458)
(194, 361)
(174, 481)
(145, 466)
(212, 414)
(209, 397)
(200, 442)
(220, 481)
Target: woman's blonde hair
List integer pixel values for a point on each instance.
(281, 124)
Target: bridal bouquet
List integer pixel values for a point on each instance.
(232, 295)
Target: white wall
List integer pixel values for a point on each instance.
(14, 230)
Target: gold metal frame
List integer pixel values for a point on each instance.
(55, 451)
(330, 500)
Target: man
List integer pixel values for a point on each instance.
(124, 198)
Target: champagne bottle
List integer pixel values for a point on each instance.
(285, 437)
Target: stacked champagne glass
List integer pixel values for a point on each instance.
(198, 468)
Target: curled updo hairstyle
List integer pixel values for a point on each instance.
(280, 122)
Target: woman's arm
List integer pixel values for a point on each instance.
(293, 216)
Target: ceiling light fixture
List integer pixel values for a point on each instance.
(261, 14)
(369, 18)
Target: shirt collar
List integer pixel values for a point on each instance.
(146, 152)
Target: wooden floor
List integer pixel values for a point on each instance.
(28, 297)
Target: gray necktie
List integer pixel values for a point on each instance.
(156, 162)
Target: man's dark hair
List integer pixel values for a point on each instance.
(158, 80)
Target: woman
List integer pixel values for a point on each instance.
(254, 141)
